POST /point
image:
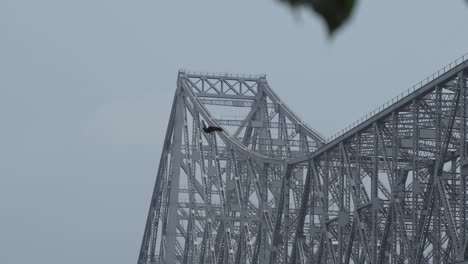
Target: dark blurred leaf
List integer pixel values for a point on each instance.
(334, 12)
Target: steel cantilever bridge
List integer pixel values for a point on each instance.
(390, 188)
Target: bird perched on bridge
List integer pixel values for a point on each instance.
(211, 129)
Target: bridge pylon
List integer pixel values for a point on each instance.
(217, 195)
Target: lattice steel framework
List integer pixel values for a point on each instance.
(392, 188)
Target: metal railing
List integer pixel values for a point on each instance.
(404, 94)
(222, 74)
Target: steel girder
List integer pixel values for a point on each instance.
(390, 189)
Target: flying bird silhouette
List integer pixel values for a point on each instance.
(211, 129)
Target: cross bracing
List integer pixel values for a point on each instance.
(391, 188)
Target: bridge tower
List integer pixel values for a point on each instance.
(217, 195)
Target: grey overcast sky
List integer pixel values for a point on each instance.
(86, 88)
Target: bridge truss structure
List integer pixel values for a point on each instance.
(391, 188)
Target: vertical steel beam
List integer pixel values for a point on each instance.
(374, 194)
(341, 207)
(462, 82)
(398, 187)
(285, 226)
(415, 171)
(173, 205)
(324, 244)
(299, 233)
(438, 146)
(277, 239)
